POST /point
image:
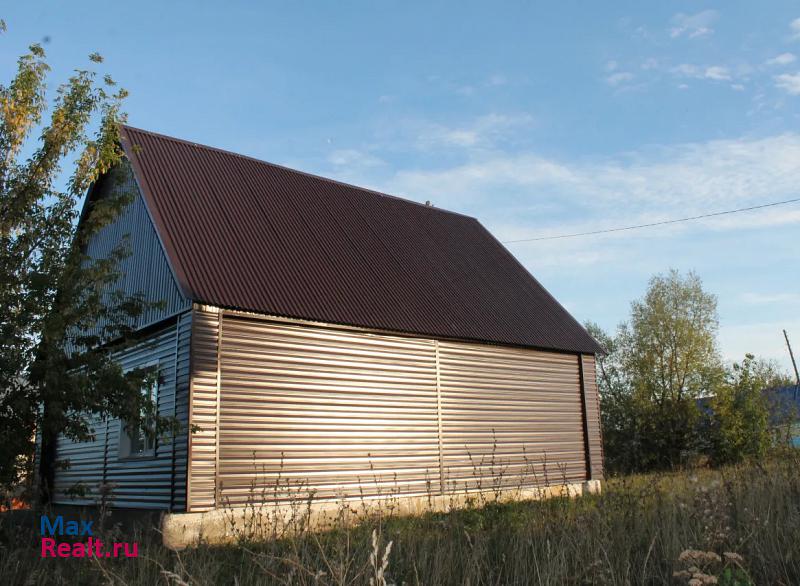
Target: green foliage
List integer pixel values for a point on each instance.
(60, 309)
(656, 368)
(618, 408)
(671, 357)
(739, 425)
(672, 338)
(734, 577)
(657, 365)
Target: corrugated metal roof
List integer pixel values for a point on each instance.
(245, 234)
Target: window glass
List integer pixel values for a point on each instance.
(139, 441)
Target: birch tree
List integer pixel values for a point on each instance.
(62, 318)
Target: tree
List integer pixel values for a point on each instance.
(739, 415)
(617, 408)
(658, 364)
(62, 318)
(672, 359)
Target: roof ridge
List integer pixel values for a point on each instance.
(291, 170)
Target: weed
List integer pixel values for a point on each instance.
(735, 526)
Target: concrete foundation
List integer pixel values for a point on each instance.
(270, 521)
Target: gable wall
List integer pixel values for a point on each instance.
(146, 270)
(158, 483)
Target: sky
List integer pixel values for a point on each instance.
(539, 119)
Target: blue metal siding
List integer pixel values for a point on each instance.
(153, 483)
(158, 482)
(182, 379)
(145, 270)
(146, 482)
(80, 467)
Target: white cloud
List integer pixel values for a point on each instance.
(616, 79)
(484, 131)
(795, 28)
(354, 158)
(718, 73)
(769, 298)
(611, 65)
(520, 195)
(497, 80)
(651, 185)
(693, 26)
(765, 340)
(649, 63)
(687, 70)
(737, 87)
(642, 32)
(765, 218)
(713, 72)
(790, 83)
(782, 59)
(555, 255)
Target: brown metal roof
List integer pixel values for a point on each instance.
(245, 234)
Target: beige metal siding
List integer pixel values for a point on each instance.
(203, 410)
(593, 416)
(332, 412)
(510, 417)
(346, 413)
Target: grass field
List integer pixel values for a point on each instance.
(738, 525)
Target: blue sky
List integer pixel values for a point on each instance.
(539, 120)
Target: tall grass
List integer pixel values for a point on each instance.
(736, 525)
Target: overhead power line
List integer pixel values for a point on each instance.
(651, 224)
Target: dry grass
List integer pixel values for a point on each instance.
(738, 525)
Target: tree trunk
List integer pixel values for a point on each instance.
(47, 457)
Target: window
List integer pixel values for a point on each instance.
(140, 441)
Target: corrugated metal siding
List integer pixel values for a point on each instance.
(510, 416)
(245, 234)
(85, 463)
(203, 412)
(355, 414)
(146, 482)
(594, 428)
(182, 379)
(145, 270)
(138, 483)
(332, 412)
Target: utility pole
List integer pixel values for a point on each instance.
(791, 355)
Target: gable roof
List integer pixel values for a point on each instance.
(245, 234)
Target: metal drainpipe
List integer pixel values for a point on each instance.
(175, 412)
(585, 418)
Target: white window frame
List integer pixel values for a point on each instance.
(126, 449)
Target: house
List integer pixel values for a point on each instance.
(784, 411)
(352, 342)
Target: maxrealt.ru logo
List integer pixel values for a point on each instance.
(58, 540)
